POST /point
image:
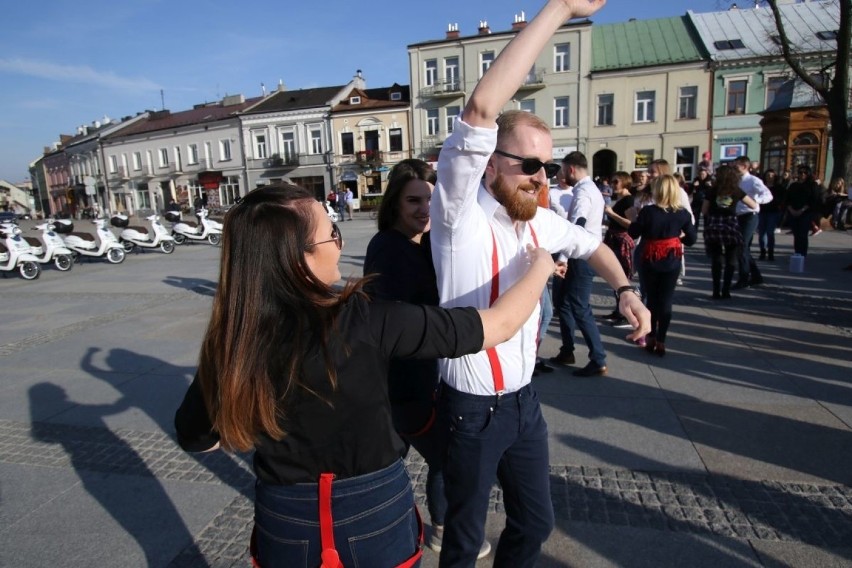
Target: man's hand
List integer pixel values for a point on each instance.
(583, 8)
(630, 305)
(561, 269)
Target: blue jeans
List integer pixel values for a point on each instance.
(571, 297)
(504, 439)
(767, 223)
(430, 445)
(748, 266)
(374, 521)
(546, 313)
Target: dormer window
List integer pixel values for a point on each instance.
(729, 44)
(396, 96)
(354, 100)
(827, 35)
(776, 39)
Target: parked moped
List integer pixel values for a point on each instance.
(51, 248)
(138, 236)
(15, 253)
(85, 244)
(184, 231)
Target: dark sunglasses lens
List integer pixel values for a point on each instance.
(530, 166)
(551, 169)
(337, 236)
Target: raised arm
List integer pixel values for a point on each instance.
(506, 74)
(506, 316)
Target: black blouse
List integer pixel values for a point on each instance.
(349, 431)
(656, 223)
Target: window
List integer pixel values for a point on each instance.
(395, 135)
(605, 106)
(288, 147)
(527, 105)
(315, 135)
(431, 76)
(737, 96)
(354, 100)
(561, 57)
(729, 44)
(688, 103)
(827, 35)
(432, 121)
(113, 164)
(486, 58)
(137, 160)
(143, 197)
(644, 111)
(685, 161)
(560, 112)
(208, 152)
(451, 73)
(396, 96)
(224, 149)
(260, 151)
(773, 84)
(192, 153)
(229, 190)
(347, 143)
(164, 157)
(452, 113)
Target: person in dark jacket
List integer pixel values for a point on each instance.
(803, 195)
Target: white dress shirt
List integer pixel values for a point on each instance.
(464, 218)
(560, 200)
(588, 204)
(754, 187)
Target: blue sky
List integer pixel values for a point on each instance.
(64, 64)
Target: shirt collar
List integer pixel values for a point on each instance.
(492, 208)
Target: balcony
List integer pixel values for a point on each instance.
(444, 89)
(533, 81)
(175, 168)
(372, 157)
(121, 173)
(346, 158)
(197, 166)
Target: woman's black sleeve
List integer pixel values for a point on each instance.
(408, 331)
(192, 423)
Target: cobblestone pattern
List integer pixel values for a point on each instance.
(136, 303)
(820, 515)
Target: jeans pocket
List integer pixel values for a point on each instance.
(274, 552)
(389, 546)
(470, 421)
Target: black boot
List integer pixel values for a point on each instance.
(771, 256)
(716, 272)
(762, 255)
(726, 284)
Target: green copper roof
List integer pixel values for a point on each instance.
(644, 43)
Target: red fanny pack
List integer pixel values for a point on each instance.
(330, 557)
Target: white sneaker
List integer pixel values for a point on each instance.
(437, 537)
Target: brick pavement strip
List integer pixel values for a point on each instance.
(819, 515)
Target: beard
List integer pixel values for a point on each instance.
(519, 206)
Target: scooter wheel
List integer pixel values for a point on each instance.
(179, 239)
(128, 246)
(63, 262)
(29, 270)
(214, 238)
(116, 255)
(167, 247)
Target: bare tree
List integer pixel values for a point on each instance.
(832, 83)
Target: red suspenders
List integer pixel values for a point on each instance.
(493, 359)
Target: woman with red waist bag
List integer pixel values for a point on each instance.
(296, 369)
(663, 226)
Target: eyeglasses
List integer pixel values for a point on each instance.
(336, 238)
(530, 166)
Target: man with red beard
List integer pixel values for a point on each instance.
(480, 233)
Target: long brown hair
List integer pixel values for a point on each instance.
(269, 312)
(727, 180)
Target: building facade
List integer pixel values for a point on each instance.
(649, 97)
(444, 73)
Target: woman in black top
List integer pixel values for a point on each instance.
(722, 237)
(399, 259)
(297, 370)
(616, 237)
(699, 188)
(803, 198)
(770, 215)
(663, 226)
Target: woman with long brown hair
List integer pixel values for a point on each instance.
(297, 370)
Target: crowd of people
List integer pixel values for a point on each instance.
(436, 345)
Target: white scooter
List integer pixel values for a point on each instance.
(15, 253)
(85, 244)
(138, 236)
(53, 248)
(332, 213)
(183, 231)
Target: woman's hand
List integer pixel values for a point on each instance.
(583, 8)
(540, 259)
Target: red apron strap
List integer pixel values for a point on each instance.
(330, 558)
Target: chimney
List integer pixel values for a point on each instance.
(263, 89)
(483, 28)
(281, 87)
(452, 31)
(520, 22)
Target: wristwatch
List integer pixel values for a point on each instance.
(623, 289)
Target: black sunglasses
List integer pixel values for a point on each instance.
(336, 238)
(530, 166)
